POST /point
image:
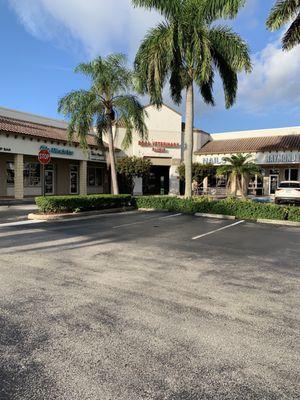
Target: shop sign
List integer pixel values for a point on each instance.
(212, 160)
(96, 156)
(58, 150)
(159, 147)
(282, 158)
(5, 149)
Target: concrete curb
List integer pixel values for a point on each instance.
(278, 222)
(217, 216)
(54, 217)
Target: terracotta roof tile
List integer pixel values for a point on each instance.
(11, 125)
(251, 145)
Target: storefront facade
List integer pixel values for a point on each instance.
(164, 147)
(71, 170)
(74, 171)
(275, 151)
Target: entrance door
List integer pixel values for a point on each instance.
(158, 181)
(74, 179)
(274, 179)
(49, 180)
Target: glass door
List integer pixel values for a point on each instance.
(274, 180)
(49, 180)
(74, 179)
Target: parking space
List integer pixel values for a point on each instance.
(149, 306)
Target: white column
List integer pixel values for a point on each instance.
(138, 186)
(83, 177)
(19, 176)
(174, 178)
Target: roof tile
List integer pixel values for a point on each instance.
(251, 145)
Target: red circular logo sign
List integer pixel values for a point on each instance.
(44, 156)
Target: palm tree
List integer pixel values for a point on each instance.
(187, 50)
(283, 12)
(106, 104)
(238, 167)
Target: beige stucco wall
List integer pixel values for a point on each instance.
(256, 133)
(164, 125)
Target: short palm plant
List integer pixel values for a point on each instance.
(186, 50)
(238, 168)
(283, 12)
(107, 103)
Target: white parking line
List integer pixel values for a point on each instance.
(145, 220)
(133, 223)
(171, 216)
(217, 230)
(9, 224)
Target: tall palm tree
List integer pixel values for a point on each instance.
(105, 104)
(187, 50)
(238, 167)
(283, 12)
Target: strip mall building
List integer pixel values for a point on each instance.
(73, 171)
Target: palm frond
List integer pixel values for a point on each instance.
(153, 62)
(282, 12)
(168, 8)
(292, 36)
(220, 9)
(132, 115)
(232, 48)
(79, 106)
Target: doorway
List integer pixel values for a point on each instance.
(49, 180)
(158, 182)
(74, 175)
(274, 180)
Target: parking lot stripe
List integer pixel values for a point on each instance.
(217, 230)
(171, 216)
(11, 224)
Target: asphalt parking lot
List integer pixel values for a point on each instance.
(149, 306)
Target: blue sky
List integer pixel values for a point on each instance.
(42, 40)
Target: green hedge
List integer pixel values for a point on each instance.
(294, 213)
(245, 209)
(61, 204)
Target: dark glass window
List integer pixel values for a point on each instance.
(95, 176)
(294, 174)
(32, 175)
(291, 174)
(293, 185)
(10, 173)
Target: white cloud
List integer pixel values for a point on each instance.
(274, 83)
(101, 26)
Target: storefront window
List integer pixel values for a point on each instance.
(10, 173)
(291, 174)
(32, 174)
(255, 187)
(95, 176)
(222, 181)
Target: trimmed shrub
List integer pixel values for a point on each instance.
(61, 204)
(244, 209)
(294, 213)
(174, 204)
(247, 209)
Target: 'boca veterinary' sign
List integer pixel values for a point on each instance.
(159, 147)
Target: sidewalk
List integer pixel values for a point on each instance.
(15, 213)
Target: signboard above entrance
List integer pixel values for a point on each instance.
(159, 147)
(58, 150)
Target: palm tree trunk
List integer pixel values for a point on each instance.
(235, 185)
(240, 187)
(189, 139)
(112, 160)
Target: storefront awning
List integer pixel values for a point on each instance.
(252, 145)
